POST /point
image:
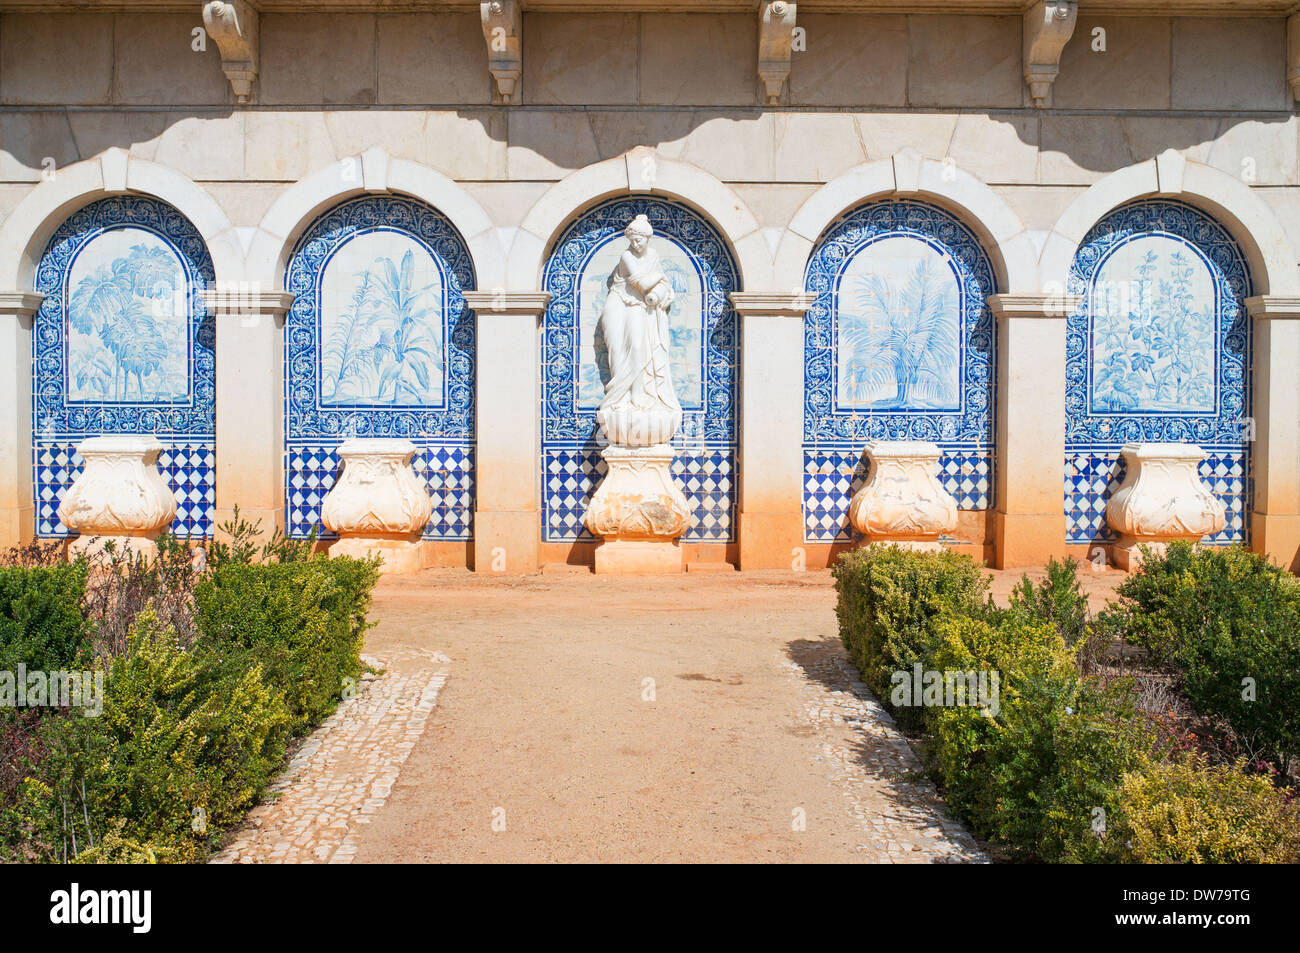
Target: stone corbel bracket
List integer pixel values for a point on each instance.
(503, 31)
(233, 24)
(1049, 24)
(775, 45)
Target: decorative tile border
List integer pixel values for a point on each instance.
(186, 427)
(1093, 440)
(313, 430)
(834, 437)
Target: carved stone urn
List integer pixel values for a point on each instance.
(378, 506)
(1161, 499)
(903, 503)
(119, 497)
(639, 511)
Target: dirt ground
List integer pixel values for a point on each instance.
(703, 717)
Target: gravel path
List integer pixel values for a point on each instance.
(694, 718)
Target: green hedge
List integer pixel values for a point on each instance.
(888, 599)
(1064, 769)
(304, 622)
(41, 622)
(1228, 621)
(192, 729)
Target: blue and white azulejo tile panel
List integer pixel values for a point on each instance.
(898, 345)
(122, 344)
(704, 352)
(379, 343)
(1159, 350)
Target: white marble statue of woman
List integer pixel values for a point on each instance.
(640, 407)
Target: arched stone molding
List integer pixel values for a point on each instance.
(1230, 201)
(28, 229)
(639, 171)
(373, 172)
(1011, 249)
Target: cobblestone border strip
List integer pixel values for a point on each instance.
(881, 777)
(316, 811)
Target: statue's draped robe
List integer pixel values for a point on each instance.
(636, 334)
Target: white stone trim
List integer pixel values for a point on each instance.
(27, 230)
(1009, 246)
(1233, 203)
(22, 303)
(1032, 306)
(508, 302)
(640, 170)
(374, 172)
(1260, 307)
(247, 301)
(773, 303)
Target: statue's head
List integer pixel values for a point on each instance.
(639, 233)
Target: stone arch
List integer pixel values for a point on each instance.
(371, 173)
(28, 229)
(639, 172)
(1225, 198)
(1010, 248)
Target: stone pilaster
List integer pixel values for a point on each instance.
(1030, 509)
(250, 404)
(17, 510)
(507, 528)
(771, 427)
(1275, 428)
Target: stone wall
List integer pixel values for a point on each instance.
(928, 106)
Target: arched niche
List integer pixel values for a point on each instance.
(122, 344)
(1158, 351)
(704, 355)
(379, 343)
(899, 344)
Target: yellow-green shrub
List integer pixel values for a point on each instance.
(1193, 812)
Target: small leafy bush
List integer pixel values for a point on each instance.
(1192, 812)
(1040, 773)
(41, 622)
(888, 598)
(1058, 599)
(302, 621)
(186, 743)
(1228, 621)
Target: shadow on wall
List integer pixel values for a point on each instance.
(598, 85)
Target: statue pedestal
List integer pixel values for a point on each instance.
(903, 502)
(378, 507)
(639, 511)
(1161, 499)
(120, 497)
